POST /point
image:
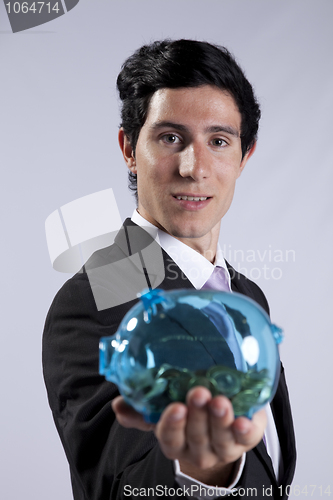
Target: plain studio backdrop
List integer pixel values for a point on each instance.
(59, 117)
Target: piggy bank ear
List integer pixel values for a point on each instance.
(277, 333)
(25, 15)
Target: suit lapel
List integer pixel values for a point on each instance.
(174, 279)
(284, 425)
(128, 244)
(238, 285)
(280, 405)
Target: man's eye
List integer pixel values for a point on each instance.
(171, 139)
(218, 142)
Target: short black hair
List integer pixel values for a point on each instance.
(176, 64)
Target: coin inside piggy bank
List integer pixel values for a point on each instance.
(171, 341)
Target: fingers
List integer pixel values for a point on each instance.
(128, 417)
(221, 419)
(185, 432)
(198, 432)
(170, 430)
(203, 432)
(247, 432)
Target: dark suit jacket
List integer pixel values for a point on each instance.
(103, 456)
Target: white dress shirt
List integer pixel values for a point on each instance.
(198, 269)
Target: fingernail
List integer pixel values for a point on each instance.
(177, 415)
(242, 431)
(218, 412)
(199, 402)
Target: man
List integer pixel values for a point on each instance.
(189, 126)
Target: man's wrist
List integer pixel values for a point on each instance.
(221, 476)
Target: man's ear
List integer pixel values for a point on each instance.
(127, 150)
(247, 156)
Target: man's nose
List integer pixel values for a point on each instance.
(195, 162)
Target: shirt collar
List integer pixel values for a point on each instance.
(195, 267)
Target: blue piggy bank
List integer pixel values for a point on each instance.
(171, 341)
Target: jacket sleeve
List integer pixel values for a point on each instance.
(103, 456)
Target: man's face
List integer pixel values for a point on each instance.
(187, 159)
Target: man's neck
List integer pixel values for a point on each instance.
(205, 245)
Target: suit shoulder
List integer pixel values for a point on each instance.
(74, 294)
(77, 291)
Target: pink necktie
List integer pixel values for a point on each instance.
(217, 281)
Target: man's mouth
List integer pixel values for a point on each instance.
(192, 198)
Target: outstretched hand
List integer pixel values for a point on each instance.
(203, 434)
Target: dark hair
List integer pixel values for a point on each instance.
(176, 64)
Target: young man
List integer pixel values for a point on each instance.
(189, 126)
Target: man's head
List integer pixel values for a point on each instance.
(181, 64)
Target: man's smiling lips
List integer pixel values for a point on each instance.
(191, 201)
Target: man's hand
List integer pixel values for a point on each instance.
(203, 434)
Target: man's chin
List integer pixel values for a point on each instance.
(191, 233)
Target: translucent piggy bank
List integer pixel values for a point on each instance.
(172, 341)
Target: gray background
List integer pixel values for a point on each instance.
(59, 120)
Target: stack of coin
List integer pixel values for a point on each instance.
(156, 388)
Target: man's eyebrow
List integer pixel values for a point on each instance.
(223, 128)
(182, 128)
(165, 124)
